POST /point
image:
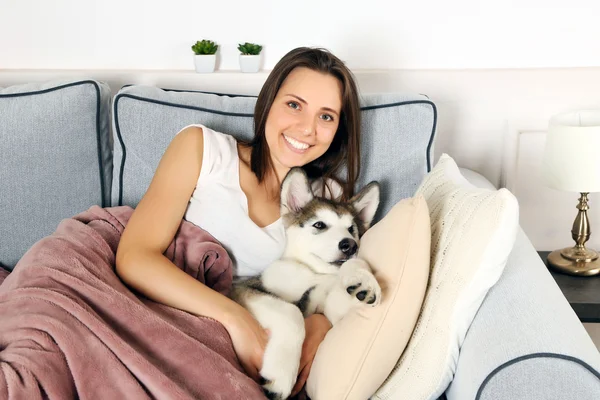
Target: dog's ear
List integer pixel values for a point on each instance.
(295, 191)
(365, 204)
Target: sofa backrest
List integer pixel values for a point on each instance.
(56, 152)
(60, 156)
(396, 148)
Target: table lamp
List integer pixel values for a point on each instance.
(571, 162)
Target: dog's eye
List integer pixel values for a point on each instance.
(319, 225)
(351, 230)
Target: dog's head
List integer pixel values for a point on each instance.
(322, 233)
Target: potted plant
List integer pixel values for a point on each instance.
(205, 55)
(249, 57)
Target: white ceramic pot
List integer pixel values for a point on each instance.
(249, 63)
(205, 63)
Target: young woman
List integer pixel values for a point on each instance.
(307, 114)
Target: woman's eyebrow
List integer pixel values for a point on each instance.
(304, 101)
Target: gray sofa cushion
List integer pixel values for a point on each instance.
(526, 341)
(398, 131)
(56, 158)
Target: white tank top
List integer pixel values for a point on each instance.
(219, 206)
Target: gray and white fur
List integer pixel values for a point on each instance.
(318, 273)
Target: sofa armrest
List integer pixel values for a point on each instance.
(526, 341)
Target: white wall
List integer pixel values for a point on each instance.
(405, 34)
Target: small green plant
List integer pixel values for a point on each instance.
(250, 49)
(205, 47)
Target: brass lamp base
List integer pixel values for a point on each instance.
(588, 264)
(577, 260)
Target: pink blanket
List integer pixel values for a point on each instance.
(69, 328)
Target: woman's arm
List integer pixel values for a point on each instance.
(316, 327)
(140, 262)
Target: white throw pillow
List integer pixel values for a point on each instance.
(473, 231)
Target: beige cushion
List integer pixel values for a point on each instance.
(360, 351)
(473, 231)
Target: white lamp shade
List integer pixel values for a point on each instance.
(571, 160)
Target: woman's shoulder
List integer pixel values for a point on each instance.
(219, 149)
(209, 133)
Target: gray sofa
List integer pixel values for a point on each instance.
(69, 145)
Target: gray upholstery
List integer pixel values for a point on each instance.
(56, 158)
(396, 144)
(525, 341)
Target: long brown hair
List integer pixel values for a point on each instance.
(345, 147)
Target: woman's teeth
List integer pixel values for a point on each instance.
(296, 144)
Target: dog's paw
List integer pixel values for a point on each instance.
(270, 390)
(360, 283)
(274, 389)
(280, 371)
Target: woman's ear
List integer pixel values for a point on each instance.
(295, 191)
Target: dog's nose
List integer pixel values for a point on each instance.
(348, 247)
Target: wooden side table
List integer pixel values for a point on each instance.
(583, 293)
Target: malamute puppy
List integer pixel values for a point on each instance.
(318, 273)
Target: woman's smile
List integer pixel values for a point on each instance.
(296, 145)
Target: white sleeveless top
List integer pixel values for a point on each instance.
(219, 206)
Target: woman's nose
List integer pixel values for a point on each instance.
(308, 126)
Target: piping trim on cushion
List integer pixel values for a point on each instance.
(403, 103)
(530, 356)
(366, 108)
(98, 140)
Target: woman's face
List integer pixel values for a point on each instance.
(303, 118)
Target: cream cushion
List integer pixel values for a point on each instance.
(360, 351)
(473, 231)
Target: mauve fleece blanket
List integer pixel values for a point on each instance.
(69, 328)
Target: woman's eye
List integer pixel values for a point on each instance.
(293, 105)
(319, 225)
(351, 230)
(327, 117)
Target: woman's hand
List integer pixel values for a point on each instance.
(317, 326)
(249, 340)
